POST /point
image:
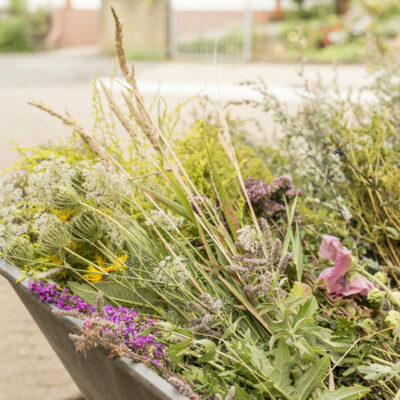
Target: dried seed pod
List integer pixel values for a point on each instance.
(18, 252)
(54, 238)
(86, 226)
(62, 197)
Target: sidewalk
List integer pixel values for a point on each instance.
(62, 80)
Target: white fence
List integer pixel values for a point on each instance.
(203, 29)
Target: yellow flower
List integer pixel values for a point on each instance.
(101, 261)
(119, 263)
(66, 214)
(56, 260)
(73, 245)
(95, 276)
(97, 273)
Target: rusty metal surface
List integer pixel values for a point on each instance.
(98, 377)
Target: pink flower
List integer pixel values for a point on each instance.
(330, 247)
(335, 277)
(358, 285)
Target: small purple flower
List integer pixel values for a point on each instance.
(269, 200)
(128, 322)
(257, 190)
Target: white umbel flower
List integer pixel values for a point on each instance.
(171, 272)
(248, 239)
(164, 219)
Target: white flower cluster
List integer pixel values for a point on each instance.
(99, 183)
(248, 239)
(164, 219)
(19, 190)
(171, 272)
(11, 207)
(40, 221)
(45, 176)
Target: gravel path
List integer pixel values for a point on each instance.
(29, 369)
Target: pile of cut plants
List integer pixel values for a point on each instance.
(234, 270)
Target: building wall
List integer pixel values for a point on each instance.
(146, 25)
(72, 28)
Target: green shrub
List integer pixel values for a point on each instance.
(14, 34)
(144, 53)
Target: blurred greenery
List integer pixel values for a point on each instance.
(320, 34)
(230, 43)
(21, 30)
(14, 35)
(145, 53)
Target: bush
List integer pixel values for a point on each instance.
(14, 34)
(145, 54)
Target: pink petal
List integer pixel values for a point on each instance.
(343, 261)
(334, 280)
(358, 285)
(330, 247)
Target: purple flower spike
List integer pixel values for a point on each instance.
(335, 277)
(129, 323)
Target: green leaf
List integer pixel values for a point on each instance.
(298, 254)
(298, 290)
(376, 371)
(312, 379)
(124, 295)
(112, 291)
(184, 332)
(225, 200)
(210, 348)
(177, 351)
(286, 242)
(307, 310)
(83, 290)
(172, 205)
(345, 393)
(282, 363)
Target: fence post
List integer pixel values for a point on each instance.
(172, 42)
(247, 30)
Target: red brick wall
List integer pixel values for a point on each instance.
(72, 28)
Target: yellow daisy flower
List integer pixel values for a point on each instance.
(95, 276)
(66, 214)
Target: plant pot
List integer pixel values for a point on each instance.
(97, 377)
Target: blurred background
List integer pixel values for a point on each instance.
(329, 30)
(50, 50)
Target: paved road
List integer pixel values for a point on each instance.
(62, 79)
(28, 368)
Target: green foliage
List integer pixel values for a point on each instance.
(18, 7)
(14, 34)
(230, 43)
(145, 53)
